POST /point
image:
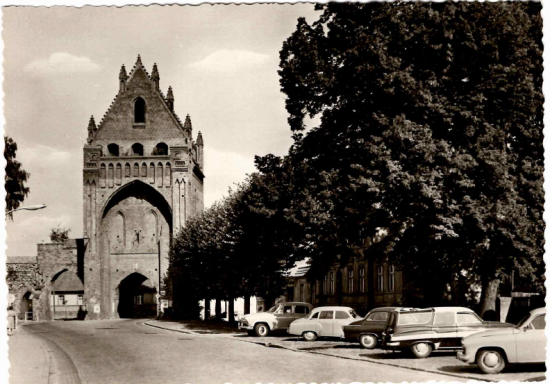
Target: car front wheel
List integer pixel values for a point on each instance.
(490, 361)
(261, 330)
(368, 341)
(309, 336)
(421, 350)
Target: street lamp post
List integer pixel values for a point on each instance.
(29, 208)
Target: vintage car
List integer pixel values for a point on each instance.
(277, 318)
(368, 331)
(492, 350)
(441, 328)
(323, 322)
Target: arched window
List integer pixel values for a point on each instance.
(139, 111)
(152, 173)
(127, 170)
(161, 149)
(111, 176)
(143, 170)
(158, 174)
(113, 149)
(136, 170)
(118, 174)
(119, 231)
(102, 175)
(137, 149)
(167, 175)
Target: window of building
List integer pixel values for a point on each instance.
(161, 149)
(350, 280)
(362, 278)
(331, 283)
(137, 149)
(139, 111)
(391, 280)
(380, 278)
(302, 292)
(80, 300)
(139, 299)
(113, 150)
(61, 299)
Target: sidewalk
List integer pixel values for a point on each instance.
(439, 362)
(28, 357)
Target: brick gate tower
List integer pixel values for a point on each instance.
(143, 179)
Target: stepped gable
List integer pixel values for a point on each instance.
(119, 123)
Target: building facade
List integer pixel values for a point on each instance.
(142, 180)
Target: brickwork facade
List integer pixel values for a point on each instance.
(142, 180)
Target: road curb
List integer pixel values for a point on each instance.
(272, 345)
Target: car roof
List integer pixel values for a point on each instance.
(451, 309)
(296, 303)
(333, 308)
(538, 311)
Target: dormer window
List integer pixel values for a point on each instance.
(137, 149)
(139, 111)
(113, 150)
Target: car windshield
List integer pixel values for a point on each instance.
(273, 309)
(353, 314)
(523, 321)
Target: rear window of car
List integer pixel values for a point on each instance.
(326, 315)
(301, 309)
(341, 315)
(467, 319)
(377, 316)
(408, 318)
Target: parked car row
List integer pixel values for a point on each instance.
(490, 344)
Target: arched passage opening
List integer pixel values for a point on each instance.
(66, 295)
(25, 306)
(136, 297)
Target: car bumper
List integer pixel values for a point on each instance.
(246, 327)
(465, 358)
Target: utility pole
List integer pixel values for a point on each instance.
(158, 293)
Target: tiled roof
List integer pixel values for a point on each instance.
(68, 281)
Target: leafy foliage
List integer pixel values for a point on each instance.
(15, 178)
(59, 235)
(431, 127)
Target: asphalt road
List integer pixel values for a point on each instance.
(127, 351)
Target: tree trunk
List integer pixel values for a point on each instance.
(246, 305)
(231, 310)
(218, 308)
(206, 308)
(489, 293)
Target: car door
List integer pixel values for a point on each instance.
(284, 317)
(341, 318)
(445, 330)
(326, 320)
(375, 322)
(531, 341)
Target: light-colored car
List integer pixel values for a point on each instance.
(324, 322)
(277, 318)
(492, 350)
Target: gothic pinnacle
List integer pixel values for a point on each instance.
(155, 73)
(187, 124)
(122, 76)
(91, 125)
(169, 94)
(138, 61)
(199, 139)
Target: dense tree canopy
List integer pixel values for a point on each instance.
(15, 179)
(431, 127)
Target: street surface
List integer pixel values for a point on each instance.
(127, 351)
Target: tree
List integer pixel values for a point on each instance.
(15, 178)
(59, 235)
(431, 127)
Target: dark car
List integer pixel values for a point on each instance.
(368, 331)
(440, 328)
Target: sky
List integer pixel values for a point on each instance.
(61, 66)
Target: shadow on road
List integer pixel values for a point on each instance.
(461, 369)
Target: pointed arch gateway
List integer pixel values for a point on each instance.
(136, 297)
